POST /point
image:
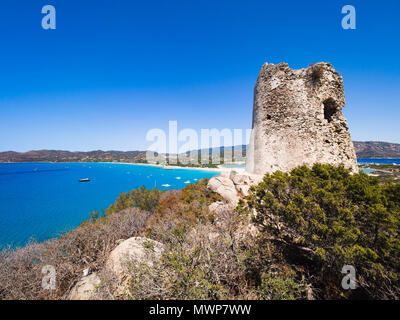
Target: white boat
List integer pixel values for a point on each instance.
(178, 178)
(165, 185)
(195, 179)
(187, 181)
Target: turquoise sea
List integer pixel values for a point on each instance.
(42, 200)
(365, 170)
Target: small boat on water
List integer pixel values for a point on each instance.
(178, 178)
(84, 180)
(187, 181)
(166, 185)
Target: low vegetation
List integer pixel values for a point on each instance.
(325, 218)
(288, 240)
(142, 198)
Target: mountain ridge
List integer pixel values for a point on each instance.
(364, 149)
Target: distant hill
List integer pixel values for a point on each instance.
(377, 149)
(68, 156)
(368, 149)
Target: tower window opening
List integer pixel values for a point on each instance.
(330, 108)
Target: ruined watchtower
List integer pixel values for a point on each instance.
(297, 119)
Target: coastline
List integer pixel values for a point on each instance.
(219, 169)
(136, 164)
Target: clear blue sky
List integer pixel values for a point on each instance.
(112, 70)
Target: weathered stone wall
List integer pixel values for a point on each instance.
(297, 119)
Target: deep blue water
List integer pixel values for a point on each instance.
(42, 200)
(387, 161)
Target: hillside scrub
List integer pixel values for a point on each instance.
(185, 207)
(210, 258)
(209, 255)
(324, 218)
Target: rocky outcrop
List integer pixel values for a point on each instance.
(85, 288)
(225, 187)
(233, 185)
(132, 250)
(136, 249)
(297, 119)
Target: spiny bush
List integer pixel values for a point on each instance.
(334, 218)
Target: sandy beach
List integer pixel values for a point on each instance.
(219, 169)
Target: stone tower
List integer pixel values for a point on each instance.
(297, 119)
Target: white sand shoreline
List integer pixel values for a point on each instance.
(219, 169)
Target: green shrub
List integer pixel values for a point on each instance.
(277, 287)
(339, 218)
(142, 198)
